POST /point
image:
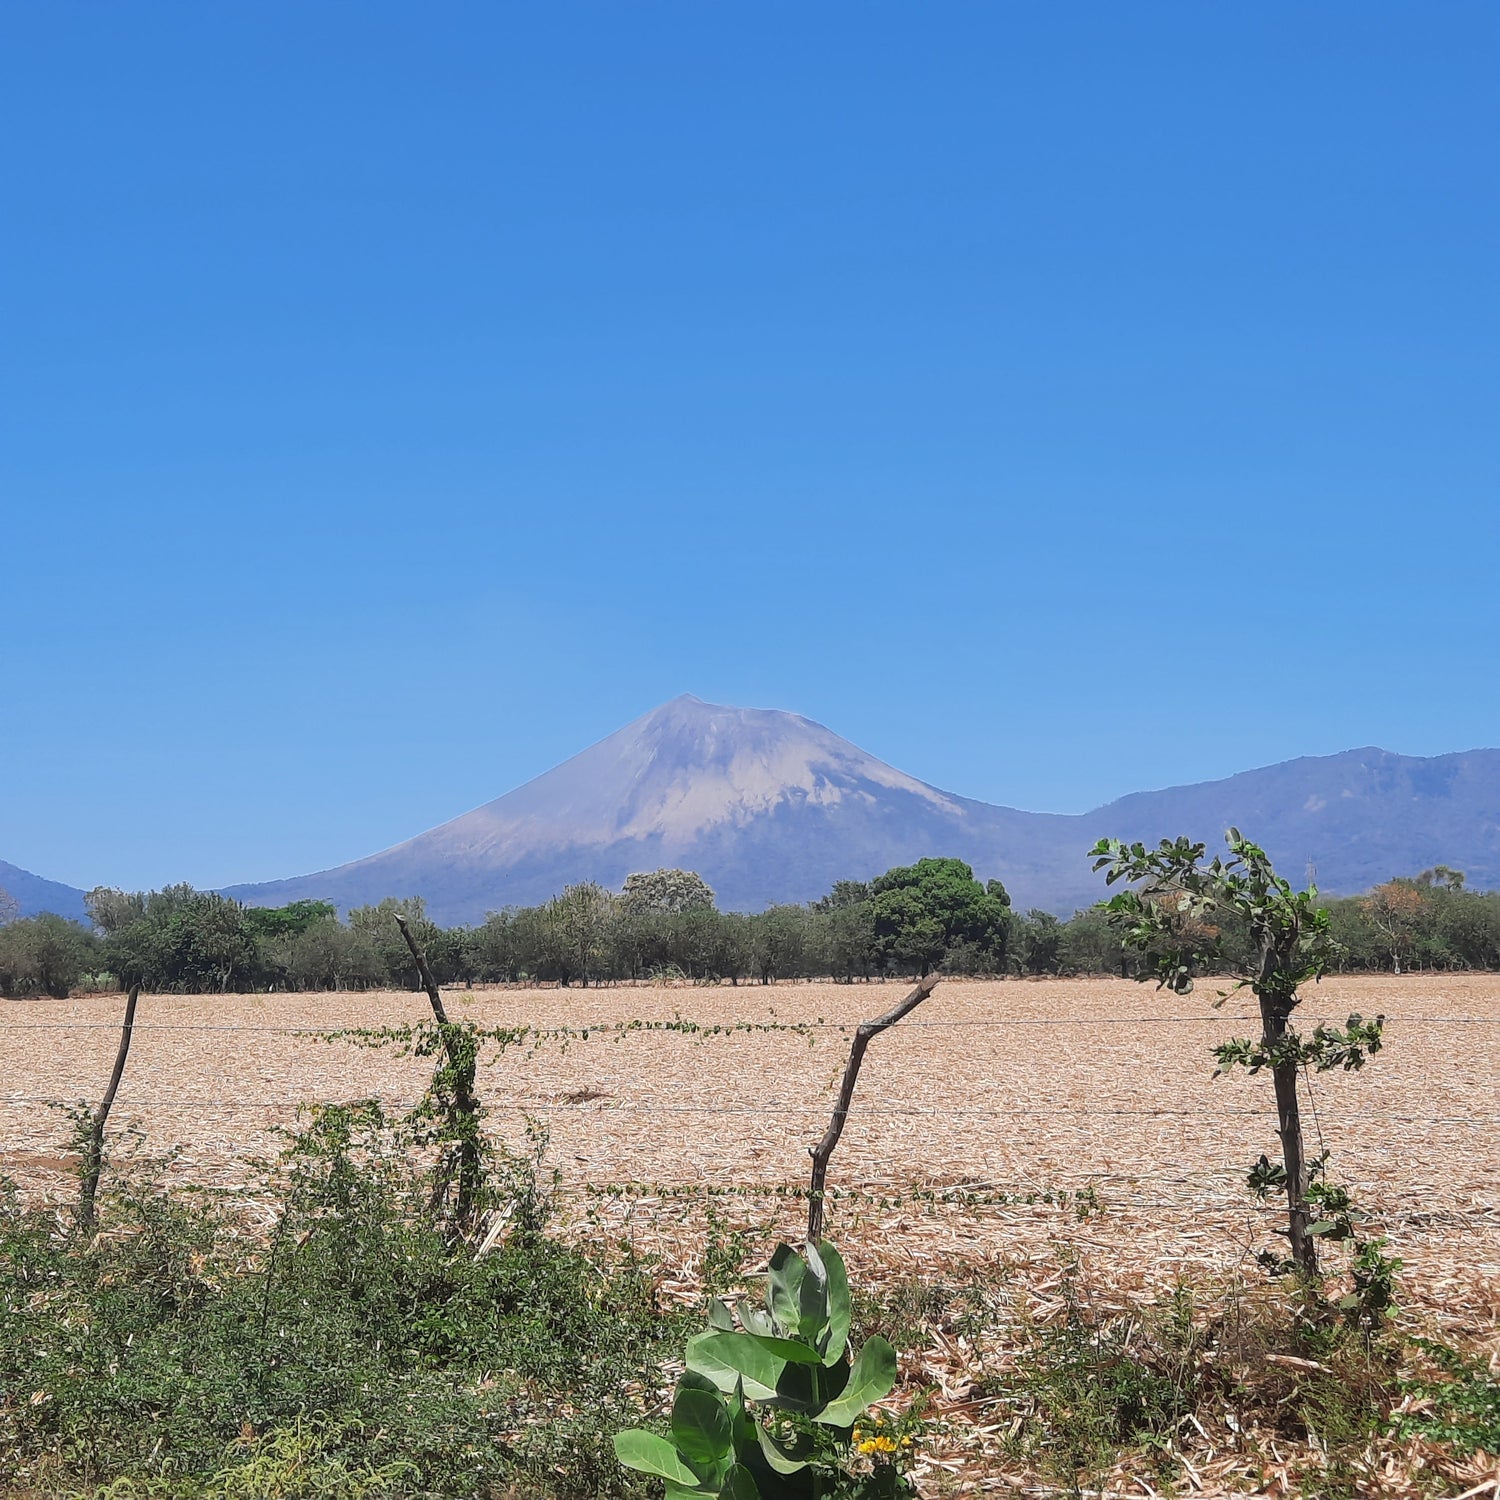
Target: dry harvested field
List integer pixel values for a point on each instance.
(1011, 1090)
(1014, 1087)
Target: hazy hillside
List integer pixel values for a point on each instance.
(33, 894)
(1360, 817)
(769, 806)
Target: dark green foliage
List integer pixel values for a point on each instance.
(45, 955)
(923, 910)
(664, 925)
(766, 1411)
(1457, 1403)
(266, 922)
(163, 1348)
(176, 939)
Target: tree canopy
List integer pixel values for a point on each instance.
(924, 910)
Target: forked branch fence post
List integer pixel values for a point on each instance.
(821, 1153)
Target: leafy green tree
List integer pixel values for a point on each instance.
(669, 891)
(922, 909)
(1171, 914)
(577, 924)
(844, 895)
(111, 910)
(778, 943)
(380, 938)
(176, 938)
(45, 955)
(1088, 944)
(206, 944)
(847, 939)
(497, 951)
(1036, 942)
(736, 946)
(287, 921)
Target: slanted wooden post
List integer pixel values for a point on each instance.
(465, 1119)
(93, 1150)
(824, 1149)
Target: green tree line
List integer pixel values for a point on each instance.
(664, 924)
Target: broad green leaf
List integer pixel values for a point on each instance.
(812, 1307)
(649, 1454)
(756, 1319)
(700, 1427)
(696, 1381)
(809, 1388)
(719, 1316)
(791, 1351)
(741, 1423)
(872, 1379)
(798, 1389)
(812, 1298)
(781, 1457)
(814, 1261)
(838, 1304)
(726, 1358)
(739, 1484)
(784, 1295)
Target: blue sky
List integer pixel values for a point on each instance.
(1055, 400)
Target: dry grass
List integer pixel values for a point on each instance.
(1011, 1088)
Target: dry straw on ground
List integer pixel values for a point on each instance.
(992, 1097)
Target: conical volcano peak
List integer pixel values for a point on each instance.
(689, 765)
(769, 806)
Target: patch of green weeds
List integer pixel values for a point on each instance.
(725, 1252)
(357, 1349)
(1457, 1404)
(1085, 1386)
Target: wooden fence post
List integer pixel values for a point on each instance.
(824, 1149)
(93, 1150)
(465, 1117)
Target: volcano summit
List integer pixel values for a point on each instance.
(768, 806)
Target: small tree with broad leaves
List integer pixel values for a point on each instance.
(1175, 913)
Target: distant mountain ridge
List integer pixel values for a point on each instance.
(768, 806)
(32, 894)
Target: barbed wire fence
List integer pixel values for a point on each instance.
(881, 1193)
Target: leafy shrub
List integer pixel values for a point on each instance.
(169, 1354)
(769, 1409)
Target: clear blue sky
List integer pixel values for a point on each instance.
(1056, 400)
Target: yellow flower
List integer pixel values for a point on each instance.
(881, 1444)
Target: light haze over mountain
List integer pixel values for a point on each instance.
(768, 807)
(33, 894)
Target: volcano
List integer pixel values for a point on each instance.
(770, 807)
